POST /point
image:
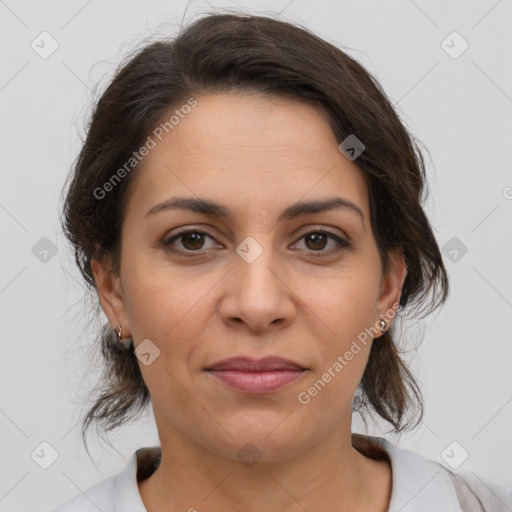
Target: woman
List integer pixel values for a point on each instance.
(247, 206)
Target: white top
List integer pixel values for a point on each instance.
(418, 485)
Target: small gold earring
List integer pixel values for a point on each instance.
(127, 342)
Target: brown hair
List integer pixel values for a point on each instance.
(238, 52)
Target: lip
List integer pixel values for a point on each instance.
(255, 376)
(248, 364)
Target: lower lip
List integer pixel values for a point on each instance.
(256, 382)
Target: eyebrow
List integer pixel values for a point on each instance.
(211, 208)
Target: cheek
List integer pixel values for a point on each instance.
(164, 313)
(172, 309)
(347, 304)
(160, 301)
(330, 391)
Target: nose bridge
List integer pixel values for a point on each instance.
(259, 297)
(258, 267)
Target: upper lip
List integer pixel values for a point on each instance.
(247, 364)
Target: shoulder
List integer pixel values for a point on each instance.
(420, 484)
(476, 494)
(119, 492)
(98, 497)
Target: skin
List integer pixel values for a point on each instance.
(255, 155)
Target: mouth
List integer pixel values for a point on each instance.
(252, 376)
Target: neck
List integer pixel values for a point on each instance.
(332, 473)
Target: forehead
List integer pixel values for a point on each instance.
(251, 123)
(239, 146)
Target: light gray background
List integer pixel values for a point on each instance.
(460, 108)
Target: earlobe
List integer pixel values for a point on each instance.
(108, 288)
(392, 287)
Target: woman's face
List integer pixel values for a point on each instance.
(259, 280)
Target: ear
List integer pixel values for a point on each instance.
(110, 295)
(391, 287)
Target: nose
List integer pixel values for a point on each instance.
(258, 295)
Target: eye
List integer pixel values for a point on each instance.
(316, 241)
(191, 240)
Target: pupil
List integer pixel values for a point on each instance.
(198, 239)
(318, 238)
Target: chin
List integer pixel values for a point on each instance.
(266, 436)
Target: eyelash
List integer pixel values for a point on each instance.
(342, 244)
